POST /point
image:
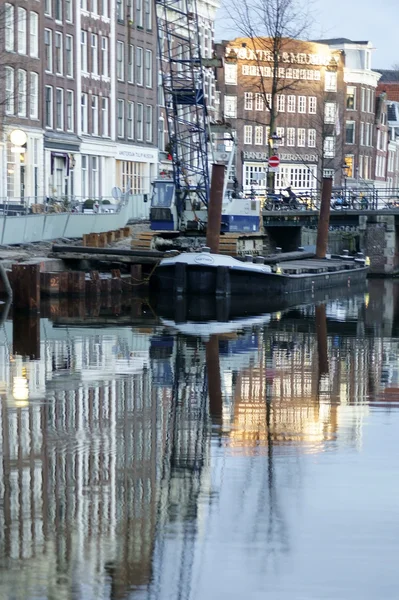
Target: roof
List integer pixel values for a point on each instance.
(339, 41)
(388, 75)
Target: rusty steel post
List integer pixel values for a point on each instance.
(215, 208)
(324, 218)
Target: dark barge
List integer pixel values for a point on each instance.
(204, 273)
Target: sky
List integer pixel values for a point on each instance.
(354, 19)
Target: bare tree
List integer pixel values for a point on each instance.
(271, 27)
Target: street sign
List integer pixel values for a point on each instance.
(274, 162)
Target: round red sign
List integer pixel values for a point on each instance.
(274, 161)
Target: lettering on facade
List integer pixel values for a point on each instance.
(283, 73)
(138, 155)
(299, 58)
(284, 157)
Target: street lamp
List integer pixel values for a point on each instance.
(274, 144)
(345, 169)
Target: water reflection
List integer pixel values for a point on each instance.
(135, 458)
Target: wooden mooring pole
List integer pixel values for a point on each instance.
(215, 208)
(26, 286)
(324, 218)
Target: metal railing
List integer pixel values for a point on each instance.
(67, 204)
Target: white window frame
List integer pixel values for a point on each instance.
(290, 136)
(68, 11)
(349, 122)
(48, 124)
(148, 123)
(22, 20)
(139, 13)
(230, 74)
(330, 81)
(130, 64)
(59, 94)
(248, 129)
(9, 27)
(139, 66)
(70, 110)
(330, 112)
(10, 91)
(48, 58)
(34, 95)
(22, 92)
(230, 107)
(302, 105)
(351, 91)
(259, 102)
(69, 55)
(47, 7)
(104, 56)
(301, 137)
(83, 52)
(312, 138)
(34, 34)
(130, 120)
(105, 116)
(139, 122)
(329, 146)
(94, 115)
(120, 118)
(280, 132)
(148, 68)
(248, 100)
(258, 138)
(281, 103)
(148, 14)
(312, 105)
(59, 53)
(94, 53)
(291, 103)
(84, 113)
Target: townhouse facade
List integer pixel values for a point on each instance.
(81, 85)
(328, 118)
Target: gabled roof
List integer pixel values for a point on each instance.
(339, 41)
(388, 75)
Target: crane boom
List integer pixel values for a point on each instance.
(185, 107)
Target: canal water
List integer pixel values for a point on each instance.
(176, 460)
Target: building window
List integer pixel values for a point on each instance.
(119, 10)
(69, 55)
(48, 106)
(34, 35)
(161, 134)
(59, 108)
(105, 12)
(230, 107)
(83, 4)
(329, 147)
(9, 91)
(312, 138)
(48, 50)
(120, 62)
(280, 103)
(68, 10)
(148, 68)
(351, 97)
(248, 134)
(130, 68)
(58, 10)
(34, 96)
(22, 92)
(301, 140)
(94, 179)
(258, 136)
(259, 102)
(9, 27)
(280, 133)
(84, 175)
(302, 104)
(21, 31)
(329, 112)
(94, 54)
(148, 123)
(290, 136)
(69, 111)
(230, 74)
(58, 53)
(47, 8)
(291, 104)
(94, 7)
(139, 66)
(83, 51)
(330, 82)
(104, 56)
(94, 115)
(148, 14)
(84, 111)
(130, 120)
(312, 105)
(139, 122)
(139, 13)
(248, 100)
(121, 118)
(350, 132)
(362, 134)
(105, 117)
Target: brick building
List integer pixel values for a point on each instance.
(327, 114)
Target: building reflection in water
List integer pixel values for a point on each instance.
(106, 475)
